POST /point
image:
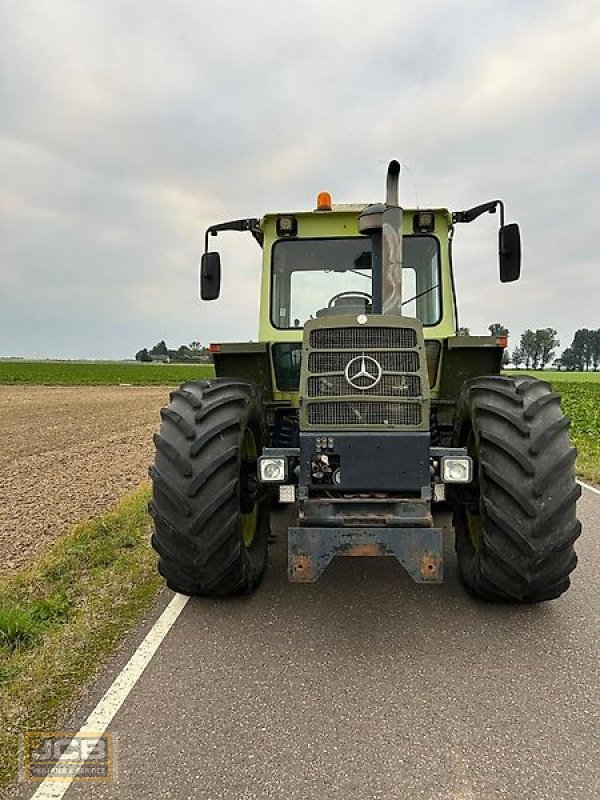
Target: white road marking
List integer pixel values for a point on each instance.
(101, 717)
(588, 487)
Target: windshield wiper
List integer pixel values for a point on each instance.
(362, 274)
(416, 297)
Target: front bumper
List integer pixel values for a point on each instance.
(419, 550)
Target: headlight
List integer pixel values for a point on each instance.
(272, 470)
(457, 469)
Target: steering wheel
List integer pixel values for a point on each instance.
(349, 296)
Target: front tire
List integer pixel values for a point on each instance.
(211, 517)
(516, 524)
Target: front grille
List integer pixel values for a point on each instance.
(398, 398)
(389, 361)
(364, 413)
(400, 386)
(362, 338)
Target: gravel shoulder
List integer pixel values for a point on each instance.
(68, 454)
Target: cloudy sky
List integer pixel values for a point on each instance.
(126, 127)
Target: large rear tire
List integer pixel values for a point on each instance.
(211, 517)
(516, 523)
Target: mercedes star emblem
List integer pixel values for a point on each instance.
(363, 372)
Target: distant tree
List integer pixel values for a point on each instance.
(527, 346)
(160, 349)
(546, 342)
(497, 329)
(579, 346)
(463, 332)
(195, 345)
(568, 360)
(517, 357)
(595, 348)
(537, 347)
(584, 352)
(182, 353)
(143, 355)
(505, 358)
(582, 348)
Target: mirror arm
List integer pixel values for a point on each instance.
(501, 204)
(251, 224)
(472, 213)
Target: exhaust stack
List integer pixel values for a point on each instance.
(393, 184)
(382, 222)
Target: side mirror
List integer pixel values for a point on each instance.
(210, 276)
(509, 250)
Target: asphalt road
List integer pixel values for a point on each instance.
(366, 685)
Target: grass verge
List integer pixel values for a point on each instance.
(62, 616)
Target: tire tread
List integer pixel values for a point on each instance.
(527, 491)
(196, 489)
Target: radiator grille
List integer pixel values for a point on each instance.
(364, 413)
(344, 387)
(401, 386)
(389, 361)
(363, 338)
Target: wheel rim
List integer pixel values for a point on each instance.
(248, 500)
(472, 511)
(474, 528)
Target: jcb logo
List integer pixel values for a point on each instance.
(62, 755)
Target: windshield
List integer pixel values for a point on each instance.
(317, 277)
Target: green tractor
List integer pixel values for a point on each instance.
(360, 405)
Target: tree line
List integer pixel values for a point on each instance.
(537, 348)
(193, 352)
(583, 353)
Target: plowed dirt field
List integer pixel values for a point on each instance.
(66, 454)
